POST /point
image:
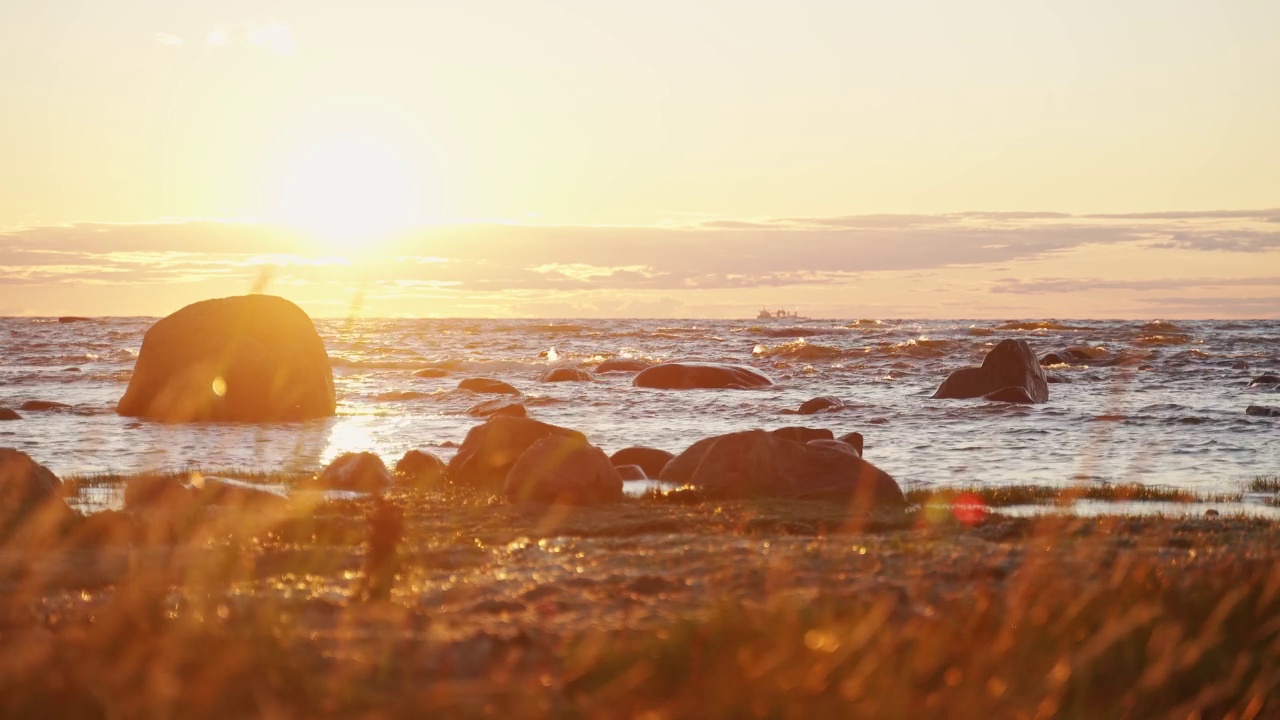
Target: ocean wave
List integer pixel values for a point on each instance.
(1153, 340)
(799, 350)
(1033, 325)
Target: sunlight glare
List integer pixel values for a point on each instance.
(351, 191)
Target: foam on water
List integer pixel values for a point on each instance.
(1164, 404)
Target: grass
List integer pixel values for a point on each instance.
(655, 607)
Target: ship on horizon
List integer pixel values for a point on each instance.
(766, 314)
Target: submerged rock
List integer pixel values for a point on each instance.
(431, 373)
(72, 319)
(490, 408)
(563, 470)
(1262, 411)
(820, 404)
(1010, 364)
(42, 405)
(488, 385)
(567, 374)
(491, 448)
(700, 375)
(362, 472)
(252, 358)
(756, 463)
(621, 365)
(9, 414)
(1265, 379)
(418, 468)
(651, 460)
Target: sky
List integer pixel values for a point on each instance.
(671, 158)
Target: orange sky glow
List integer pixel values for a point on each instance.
(588, 158)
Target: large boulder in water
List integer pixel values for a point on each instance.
(680, 469)
(1010, 364)
(756, 463)
(490, 449)
(563, 470)
(252, 358)
(700, 375)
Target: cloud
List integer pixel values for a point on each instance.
(170, 40)
(1188, 215)
(274, 37)
(943, 262)
(1085, 285)
(217, 37)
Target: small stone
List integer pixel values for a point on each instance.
(363, 472)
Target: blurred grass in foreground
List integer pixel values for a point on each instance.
(651, 608)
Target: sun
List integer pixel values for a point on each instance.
(351, 191)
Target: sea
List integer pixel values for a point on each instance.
(1158, 403)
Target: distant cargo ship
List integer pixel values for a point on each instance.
(780, 315)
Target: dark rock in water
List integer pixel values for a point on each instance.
(700, 375)
(651, 460)
(803, 434)
(1075, 354)
(1054, 377)
(431, 373)
(40, 405)
(1266, 379)
(491, 448)
(680, 469)
(72, 319)
(631, 472)
(1011, 363)
(8, 414)
(819, 404)
(419, 469)
(755, 463)
(30, 494)
(363, 472)
(1262, 411)
(489, 408)
(563, 470)
(853, 439)
(567, 374)
(621, 365)
(1010, 395)
(252, 358)
(488, 385)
